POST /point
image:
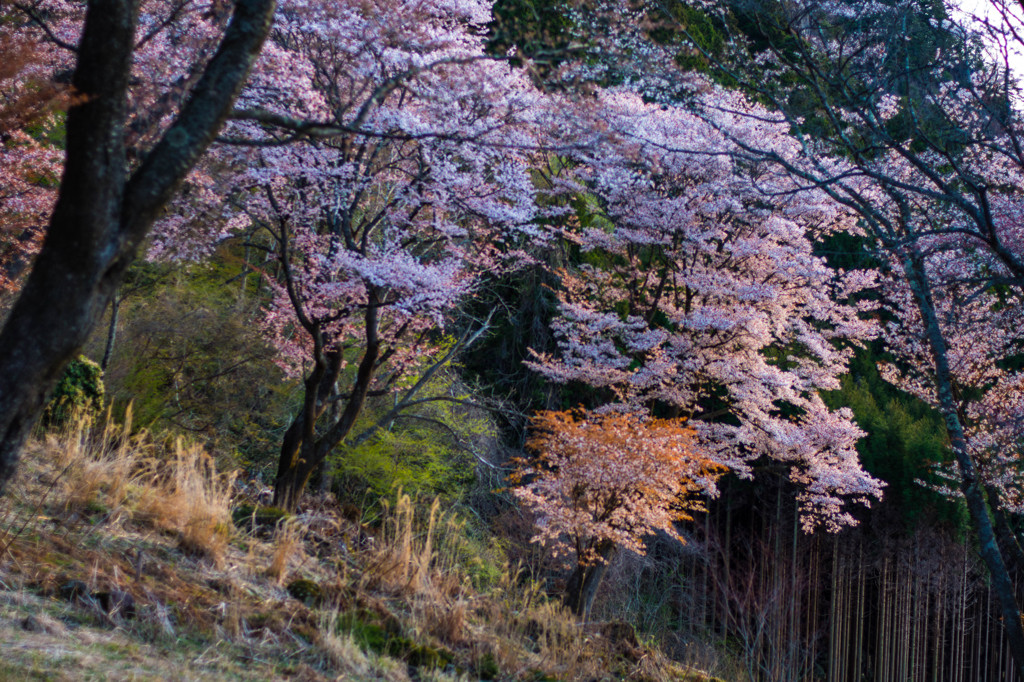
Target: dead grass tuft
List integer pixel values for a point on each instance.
(97, 463)
(107, 475)
(194, 501)
(288, 544)
(447, 622)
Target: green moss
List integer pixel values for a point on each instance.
(367, 634)
(421, 655)
(487, 667)
(306, 591)
(252, 518)
(385, 638)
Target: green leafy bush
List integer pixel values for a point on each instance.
(426, 450)
(80, 391)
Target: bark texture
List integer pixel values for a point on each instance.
(303, 449)
(102, 213)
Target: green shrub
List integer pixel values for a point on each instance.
(80, 391)
(423, 453)
(189, 356)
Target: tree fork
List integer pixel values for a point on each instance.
(302, 451)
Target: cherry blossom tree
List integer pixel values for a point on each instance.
(155, 85)
(29, 165)
(602, 482)
(899, 117)
(28, 173)
(699, 296)
(404, 178)
(982, 327)
(920, 138)
(949, 365)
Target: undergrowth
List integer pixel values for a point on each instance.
(98, 513)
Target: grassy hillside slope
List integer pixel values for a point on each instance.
(125, 558)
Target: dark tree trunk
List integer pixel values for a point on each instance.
(291, 483)
(323, 479)
(1009, 546)
(585, 580)
(303, 449)
(70, 283)
(102, 215)
(970, 483)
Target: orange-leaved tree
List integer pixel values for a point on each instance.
(600, 482)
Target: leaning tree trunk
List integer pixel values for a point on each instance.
(585, 579)
(1009, 546)
(70, 285)
(102, 215)
(970, 484)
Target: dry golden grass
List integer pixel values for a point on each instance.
(97, 463)
(402, 557)
(154, 518)
(174, 487)
(193, 501)
(416, 561)
(288, 544)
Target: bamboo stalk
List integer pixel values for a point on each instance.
(861, 589)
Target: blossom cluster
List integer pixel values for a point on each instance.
(702, 289)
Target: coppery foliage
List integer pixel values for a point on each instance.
(611, 478)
